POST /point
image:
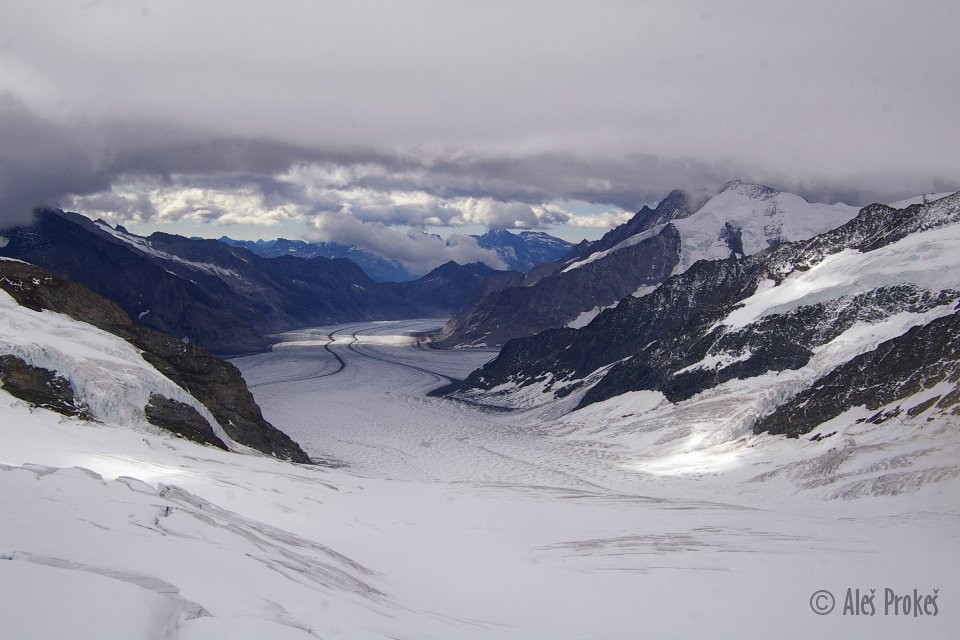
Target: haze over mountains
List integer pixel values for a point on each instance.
(518, 251)
(225, 298)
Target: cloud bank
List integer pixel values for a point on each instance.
(373, 120)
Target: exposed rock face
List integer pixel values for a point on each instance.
(675, 206)
(553, 295)
(181, 419)
(40, 387)
(920, 359)
(215, 383)
(679, 339)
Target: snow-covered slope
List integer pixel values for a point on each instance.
(64, 347)
(452, 522)
(746, 218)
(742, 219)
(767, 328)
(107, 373)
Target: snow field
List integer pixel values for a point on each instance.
(450, 521)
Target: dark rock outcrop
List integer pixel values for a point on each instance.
(40, 387)
(181, 419)
(919, 359)
(217, 384)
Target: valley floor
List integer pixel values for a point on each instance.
(448, 520)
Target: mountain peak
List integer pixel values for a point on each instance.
(525, 250)
(749, 189)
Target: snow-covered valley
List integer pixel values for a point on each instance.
(447, 520)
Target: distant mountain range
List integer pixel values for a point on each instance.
(225, 298)
(861, 321)
(525, 250)
(378, 268)
(635, 257)
(519, 251)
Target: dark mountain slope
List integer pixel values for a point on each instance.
(448, 287)
(555, 294)
(378, 268)
(222, 297)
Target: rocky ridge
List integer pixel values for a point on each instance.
(640, 254)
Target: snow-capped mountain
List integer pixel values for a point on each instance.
(525, 250)
(744, 219)
(640, 254)
(377, 267)
(65, 348)
(858, 324)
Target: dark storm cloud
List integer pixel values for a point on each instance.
(38, 163)
(427, 113)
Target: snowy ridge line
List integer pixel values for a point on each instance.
(143, 245)
(761, 217)
(927, 197)
(190, 610)
(624, 244)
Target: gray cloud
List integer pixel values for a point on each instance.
(38, 163)
(452, 113)
(418, 251)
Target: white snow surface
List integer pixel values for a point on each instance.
(764, 216)
(928, 259)
(587, 316)
(629, 517)
(106, 372)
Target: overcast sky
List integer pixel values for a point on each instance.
(366, 122)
